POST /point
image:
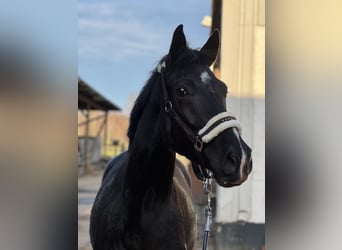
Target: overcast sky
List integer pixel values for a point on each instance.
(119, 42)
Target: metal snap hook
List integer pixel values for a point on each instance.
(207, 186)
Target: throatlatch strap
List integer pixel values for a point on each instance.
(200, 172)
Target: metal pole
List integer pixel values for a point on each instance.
(96, 137)
(105, 134)
(86, 155)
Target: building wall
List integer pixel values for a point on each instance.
(243, 70)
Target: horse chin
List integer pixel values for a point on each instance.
(231, 178)
(225, 182)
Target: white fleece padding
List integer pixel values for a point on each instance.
(213, 120)
(220, 128)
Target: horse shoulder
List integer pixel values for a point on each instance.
(108, 212)
(186, 215)
(114, 165)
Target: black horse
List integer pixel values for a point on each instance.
(144, 201)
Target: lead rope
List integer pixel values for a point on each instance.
(207, 189)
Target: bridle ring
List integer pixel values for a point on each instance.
(168, 106)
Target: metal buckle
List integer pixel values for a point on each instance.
(198, 144)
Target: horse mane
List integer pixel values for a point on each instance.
(140, 104)
(186, 56)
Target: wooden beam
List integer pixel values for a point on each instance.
(92, 119)
(90, 103)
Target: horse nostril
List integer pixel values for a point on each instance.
(233, 159)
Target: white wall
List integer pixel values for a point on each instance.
(243, 70)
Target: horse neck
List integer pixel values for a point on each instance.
(151, 161)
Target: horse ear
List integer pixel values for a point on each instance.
(178, 41)
(210, 48)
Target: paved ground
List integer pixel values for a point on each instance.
(87, 189)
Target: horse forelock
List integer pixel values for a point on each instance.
(188, 57)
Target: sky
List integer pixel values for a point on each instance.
(120, 42)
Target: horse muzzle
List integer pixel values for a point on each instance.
(235, 172)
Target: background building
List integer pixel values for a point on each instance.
(101, 128)
(240, 211)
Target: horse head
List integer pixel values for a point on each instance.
(197, 121)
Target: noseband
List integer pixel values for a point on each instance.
(216, 125)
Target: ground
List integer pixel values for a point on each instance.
(87, 188)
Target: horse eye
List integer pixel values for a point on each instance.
(181, 92)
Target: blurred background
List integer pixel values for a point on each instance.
(120, 43)
(42, 63)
